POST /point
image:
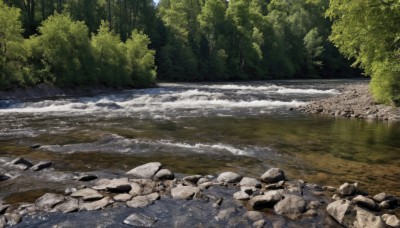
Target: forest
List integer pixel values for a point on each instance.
(133, 42)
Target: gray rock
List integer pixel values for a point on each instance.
(382, 197)
(101, 184)
(42, 165)
(3, 208)
(253, 215)
(97, 205)
(347, 189)
(184, 192)
(393, 221)
(70, 205)
(225, 214)
(35, 146)
(87, 194)
(69, 191)
(338, 210)
(4, 177)
(313, 204)
(22, 163)
(279, 185)
(206, 185)
(146, 171)
(259, 223)
(153, 196)
(240, 195)
(248, 189)
(123, 197)
(250, 182)
(121, 185)
(48, 201)
(164, 174)
(329, 188)
(142, 201)
(192, 179)
(311, 213)
(268, 200)
(363, 201)
(3, 222)
(203, 180)
(140, 220)
(87, 177)
(365, 218)
(229, 177)
(13, 218)
(136, 189)
(273, 175)
(291, 205)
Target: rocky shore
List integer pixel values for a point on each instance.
(153, 196)
(355, 101)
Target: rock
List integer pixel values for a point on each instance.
(329, 188)
(240, 195)
(153, 196)
(336, 197)
(292, 205)
(142, 201)
(192, 179)
(385, 217)
(101, 184)
(225, 214)
(71, 205)
(184, 192)
(35, 146)
(248, 190)
(96, 205)
(268, 200)
(13, 219)
(250, 182)
(218, 203)
(123, 197)
(48, 201)
(384, 205)
(338, 210)
(164, 174)
(313, 204)
(381, 197)
(69, 191)
(365, 218)
(3, 208)
(140, 220)
(3, 222)
(136, 189)
(4, 177)
(229, 177)
(42, 165)
(206, 185)
(393, 221)
(253, 215)
(363, 201)
(311, 213)
(87, 194)
(203, 180)
(347, 189)
(273, 175)
(24, 164)
(146, 171)
(120, 185)
(259, 223)
(86, 177)
(279, 185)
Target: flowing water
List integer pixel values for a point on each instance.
(202, 129)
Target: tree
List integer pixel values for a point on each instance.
(368, 31)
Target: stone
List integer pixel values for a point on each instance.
(363, 201)
(4, 177)
(97, 205)
(87, 177)
(140, 220)
(338, 210)
(291, 205)
(240, 195)
(140, 201)
(136, 189)
(121, 185)
(381, 197)
(42, 165)
(206, 185)
(311, 213)
(22, 161)
(35, 146)
(279, 185)
(253, 215)
(3, 222)
(393, 221)
(146, 171)
(203, 180)
(248, 189)
(164, 174)
(123, 197)
(70, 205)
(313, 204)
(3, 208)
(87, 194)
(184, 192)
(192, 179)
(365, 218)
(101, 184)
(13, 218)
(259, 224)
(273, 175)
(153, 196)
(329, 188)
(69, 191)
(48, 201)
(225, 214)
(229, 177)
(268, 200)
(347, 189)
(250, 182)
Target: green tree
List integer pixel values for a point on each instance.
(368, 31)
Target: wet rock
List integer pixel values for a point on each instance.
(146, 171)
(142, 201)
(21, 163)
(259, 223)
(164, 174)
(382, 197)
(268, 200)
(193, 179)
(291, 205)
(273, 175)
(97, 205)
(365, 218)
(87, 177)
(240, 195)
(393, 221)
(87, 194)
(4, 177)
(253, 215)
(363, 201)
(226, 214)
(123, 197)
(338, 210)
(136, 189)
(184, 192)
(229, 177)
(347, 189)
(250, 182)
(13, 218)
(3, 208)
(42, 165)
(48, 201)
(120, 185)
(70, 205)
(140, 220)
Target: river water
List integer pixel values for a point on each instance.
(204, 129)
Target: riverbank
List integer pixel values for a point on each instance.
(355, 101)
(152, 196)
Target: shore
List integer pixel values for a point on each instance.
(354, 101)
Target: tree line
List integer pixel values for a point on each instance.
(119, 42)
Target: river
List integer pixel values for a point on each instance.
(200, 128)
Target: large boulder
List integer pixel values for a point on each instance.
(268, 200)
(291, 205)
(146, 171)
(184, 192)
(273, 175)
(229, 177)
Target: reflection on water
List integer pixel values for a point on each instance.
(206, 129)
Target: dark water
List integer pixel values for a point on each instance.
(201, 129)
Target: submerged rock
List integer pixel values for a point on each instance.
(273, 175)
(229, 177)
(140, 220)
(146, 171)
(184, 192)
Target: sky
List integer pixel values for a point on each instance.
(156, 1)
